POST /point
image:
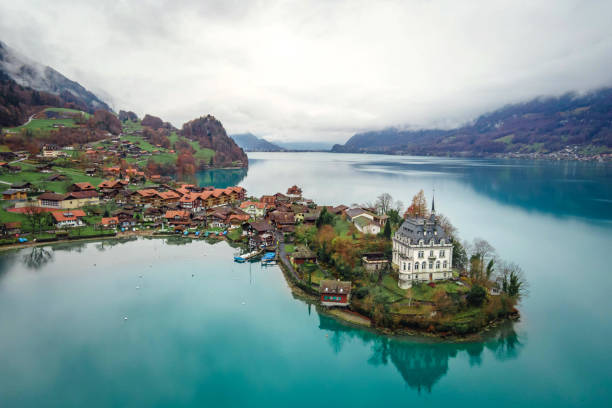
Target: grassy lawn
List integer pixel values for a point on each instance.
(289, 248)
(130, 127)
(235, 234)
(40, 179)
(342, 227)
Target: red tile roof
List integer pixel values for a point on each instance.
(69, 215)
(254, 203)
(110, 221)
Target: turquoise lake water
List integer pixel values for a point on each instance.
(203, 331)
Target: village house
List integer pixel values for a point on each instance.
(254, 209)
(335, 292)
(422, 251)
(374, 261)
(10, 228)
(84, 186)
(269, 200)
(50, 200)
(109, 222)
(294, 192)
(177, 217)
(302, 255)
(14, 195)
(70, 218)
(366, 221)
(78, 199)
(260, 233)
(152, 214)
(282, 221)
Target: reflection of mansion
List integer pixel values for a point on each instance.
(422, 251)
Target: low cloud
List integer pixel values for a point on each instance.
(318, 70)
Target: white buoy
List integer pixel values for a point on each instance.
(137, 287)
(125, 318)
(244, 303)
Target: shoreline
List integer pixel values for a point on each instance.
(344, 315)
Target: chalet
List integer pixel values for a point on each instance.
(125, 217)
(90, 171)
(254, 209)
(27, 186)
(57, 177)
(269, 200)
(14, 195)
(83, 186)
(282, 221)
(70, 218)
(177, 217)
(110, 222)
(280, 198)
(374, 261)
(191, 201)
(310, 218)
(111, 171)
(335, 292)
(302, 255)
(10, 228)
(45, 168)
(152, 214)
(169, 197)
(78, 199)
(260, 233)
(50, 200)
(146, 197)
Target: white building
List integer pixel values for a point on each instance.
(422, 252)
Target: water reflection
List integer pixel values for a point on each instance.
(38, 257)
(422, 364)
(219, 178)
(532, 185)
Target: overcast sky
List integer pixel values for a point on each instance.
(317, 70)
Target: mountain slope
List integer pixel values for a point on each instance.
(31, 74)
(542, 125)
(251, 143)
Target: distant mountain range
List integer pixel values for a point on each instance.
(31, 74)
(540, 126)
(251, 143)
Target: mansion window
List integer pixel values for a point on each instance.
(438, 265)
(408, 266)
(423, 265)
(416, 266)
(431, 265)
(421, 254)
(431, 253)
(444, 265)
(441, 253)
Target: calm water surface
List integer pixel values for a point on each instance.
(204, 331)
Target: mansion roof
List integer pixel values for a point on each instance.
(426, 229)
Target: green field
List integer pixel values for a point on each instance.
(46, 125)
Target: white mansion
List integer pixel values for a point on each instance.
(422, 251)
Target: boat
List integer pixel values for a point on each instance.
(268, 258)
(247, 256)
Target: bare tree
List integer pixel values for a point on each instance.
(446, 225)
(383, 203)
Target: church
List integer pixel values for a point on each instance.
(422, 252)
